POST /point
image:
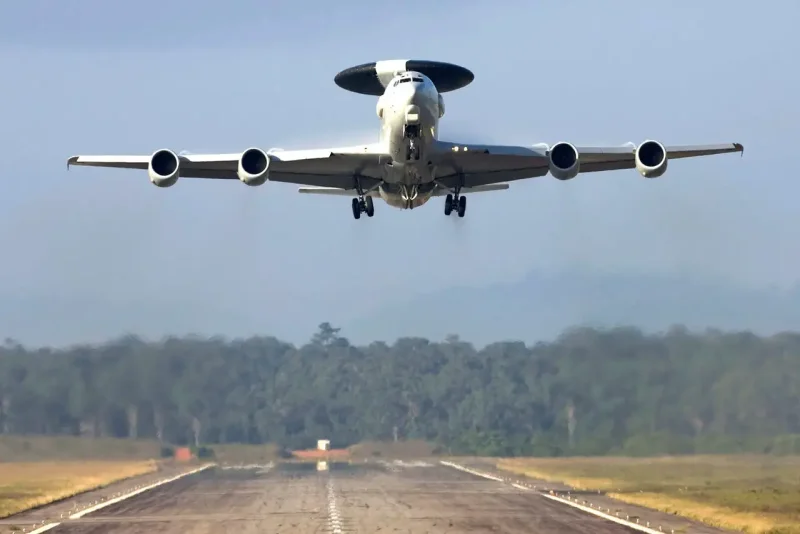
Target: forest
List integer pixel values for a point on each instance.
(587, 392)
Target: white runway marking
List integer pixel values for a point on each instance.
(598, 513)
(334, 520)
(137, 491)
(471, 471)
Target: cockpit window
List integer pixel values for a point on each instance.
(406, 79)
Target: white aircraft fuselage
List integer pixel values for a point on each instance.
(409, 111)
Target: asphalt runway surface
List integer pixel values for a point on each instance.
(418, 497)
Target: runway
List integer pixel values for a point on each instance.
(417, 497)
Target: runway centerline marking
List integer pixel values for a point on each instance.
(334, 519)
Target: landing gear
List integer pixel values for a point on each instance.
(458, 202)
(362, 203)
(462, 206)
(411, 133)
(412, 151)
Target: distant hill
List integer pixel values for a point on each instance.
(541, 306)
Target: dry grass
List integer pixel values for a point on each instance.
(31, 484)
(751, 493)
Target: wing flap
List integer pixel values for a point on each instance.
(334, 191)
(442, 191)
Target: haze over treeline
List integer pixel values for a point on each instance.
(587, 392)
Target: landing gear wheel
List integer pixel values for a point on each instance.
(356, 209)
(462, 206)
(369, 207)
(448, 204)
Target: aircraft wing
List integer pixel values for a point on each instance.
(482, 165)
(334, 167)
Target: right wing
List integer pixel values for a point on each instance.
(483, 165)
(334, 167)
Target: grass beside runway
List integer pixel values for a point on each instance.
(751, 493)
(26, 485)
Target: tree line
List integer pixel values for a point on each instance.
(588, 392)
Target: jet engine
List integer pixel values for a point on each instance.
(164, 168)
(651, 159)
(253, 167)
(564, 161)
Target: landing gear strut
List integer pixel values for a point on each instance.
(362, 203)
(457, 201)
(412, 134)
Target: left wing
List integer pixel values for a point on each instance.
(334, 167)
(482, 165)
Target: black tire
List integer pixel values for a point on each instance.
(370, 206)
(356, 209)
(448, 204)
(462, 206)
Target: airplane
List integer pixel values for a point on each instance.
(409, 164)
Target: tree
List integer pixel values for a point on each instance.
(325, 335)
(590, 391)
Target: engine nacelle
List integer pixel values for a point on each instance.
(651, 159)
(564, 161)
(164, 168)
(253, 167)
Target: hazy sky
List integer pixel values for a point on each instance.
(91, 253)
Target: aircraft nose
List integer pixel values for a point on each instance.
(412, 94)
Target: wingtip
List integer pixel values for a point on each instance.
(71, 161)
(739, 148)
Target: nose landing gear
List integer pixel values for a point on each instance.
(412, 152)
(412, 133)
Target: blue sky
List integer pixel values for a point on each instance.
(92, 253)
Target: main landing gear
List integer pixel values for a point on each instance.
(457, 201)
(364, 205)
